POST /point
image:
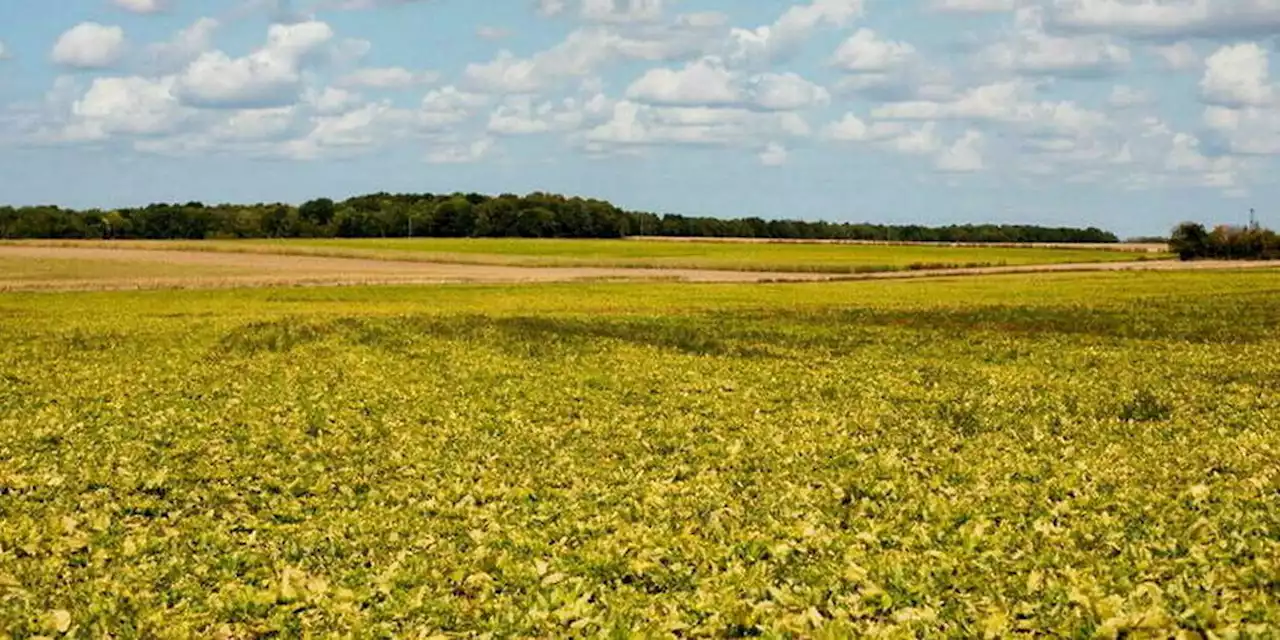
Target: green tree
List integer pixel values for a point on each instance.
(319, 212)
(1190, 240)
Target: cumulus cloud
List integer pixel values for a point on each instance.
(973, 6)
(621, 10)
(89, 45)
(185, 46)
(489, 32)
(387, 78)
(964, 155)
(1031, 50)
(585, 50)
(461, 153)
(522, 115)
(708, 82)
(128, 105)
(647, 75)
(1127, 97)
(1180, 56)
(865, 51)
(1169, 19)
(636, 124)
(269, 76)
(141, 6)
(774, 155)
(1247, 131)
(1237, 75)
(781, 38)
(1009, 103)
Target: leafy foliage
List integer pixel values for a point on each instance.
(536, 215)
(1191, 240)
(1060, 455)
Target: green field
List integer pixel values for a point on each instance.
(827, 258)
(1069, 455)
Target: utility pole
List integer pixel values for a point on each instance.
(1253, 220)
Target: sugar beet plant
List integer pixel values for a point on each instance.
(1071, 455)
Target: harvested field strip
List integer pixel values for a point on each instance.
(29, 267)
(619, 254)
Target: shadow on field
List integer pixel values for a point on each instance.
(528, 334)
(770, 334)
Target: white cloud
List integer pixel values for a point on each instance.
(331, 100)
(1126, 97)
(270, 76)
(1180, 56)
(701, 82)
(632, 124)
(461, 153)
(865, 51)
(185, 46)
(1031, 50)
(921, 141)
(4, 51)
(448, 106)
(521, 115)
(387, 78)
(974, 6)
(89, 45)
(708, 82)
(1248, 131)
(994, 101)
(964, 156)
(785, 92)
(129, 105)
(1237, 75)
(1170, 18)
(1006, 103)
(141, 6)
(551, 7)
(621, 10)
(577, 56)
(489, 32)
(791, 29)
(774, 155)
(585, 50)
(851, 128)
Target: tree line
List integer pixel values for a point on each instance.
(537, 215)
(1192, 241)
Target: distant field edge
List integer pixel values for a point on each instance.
(1124, 247)
(743, 264)
(154, 271)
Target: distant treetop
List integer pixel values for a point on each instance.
(537, 215)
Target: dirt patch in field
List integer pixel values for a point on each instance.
(150, 269)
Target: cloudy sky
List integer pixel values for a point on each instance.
(1127, 114)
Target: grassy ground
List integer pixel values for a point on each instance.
(676, 255)
(1062, 454)
(18, 270)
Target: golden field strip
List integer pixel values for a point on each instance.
(841, 259)
(108, 266)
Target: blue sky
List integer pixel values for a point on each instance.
(1127, 114)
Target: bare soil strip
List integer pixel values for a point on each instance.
(260, 270)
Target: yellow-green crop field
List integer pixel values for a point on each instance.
(1071, 455)
(526, 252)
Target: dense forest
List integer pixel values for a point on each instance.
(1192, 241)
(537, 215)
